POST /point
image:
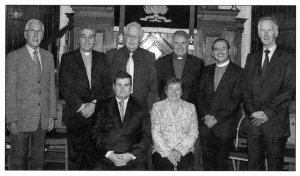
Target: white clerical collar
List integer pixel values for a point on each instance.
(223, 64)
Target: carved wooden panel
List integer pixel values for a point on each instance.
(158, 43)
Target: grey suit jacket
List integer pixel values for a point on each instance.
(25, 104)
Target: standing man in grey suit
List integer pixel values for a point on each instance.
(268, 86)
(138, 62)
(30, 99)
(83, 80)
(219, 103)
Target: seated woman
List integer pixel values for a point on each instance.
(174, 130)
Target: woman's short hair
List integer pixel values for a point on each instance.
(173, 81)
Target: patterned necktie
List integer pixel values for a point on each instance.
(122, 110)
(130, 68)
(37, 63)
(266, 62)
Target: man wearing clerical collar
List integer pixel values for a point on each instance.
(83, 80)
(220, 97)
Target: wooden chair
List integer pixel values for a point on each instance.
(7, 150)
(56, 140)
(240, 151)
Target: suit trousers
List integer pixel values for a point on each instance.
(163, 164)
(28, 150)
(215, 152)
(260, 146)
(80, 145)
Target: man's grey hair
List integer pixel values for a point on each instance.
(179, 34)
(89, 27)
(33, 21)
(273, 19)
(137, 25)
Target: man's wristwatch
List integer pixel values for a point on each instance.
(94, 101)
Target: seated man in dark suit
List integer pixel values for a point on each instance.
(122, 130)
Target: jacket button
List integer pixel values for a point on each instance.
(39, 104)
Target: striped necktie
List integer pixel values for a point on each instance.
(122, 110)
(37, 63)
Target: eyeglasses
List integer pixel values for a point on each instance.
(134, 37)
(220, 49)
(39, 32)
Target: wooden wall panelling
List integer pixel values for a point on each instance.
(49, 15)
(221, 23)
(286, 16)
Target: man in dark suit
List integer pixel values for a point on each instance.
(83, 80)
(30, 99)
(219, 102)
(138, 62)
(268, 86)
(182, 65)
(123, 129)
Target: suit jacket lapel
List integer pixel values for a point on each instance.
(274, 60)
(129, 112)
(123, 58)
(114, 111)
(211, 74)
(93, 71)
(80, 63)
(43, 63)
(170, 66)
(186, 72)
(29, 62)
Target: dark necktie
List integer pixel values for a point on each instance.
(266, 62)
(37, 63)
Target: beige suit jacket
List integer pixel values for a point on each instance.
(24, 102)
